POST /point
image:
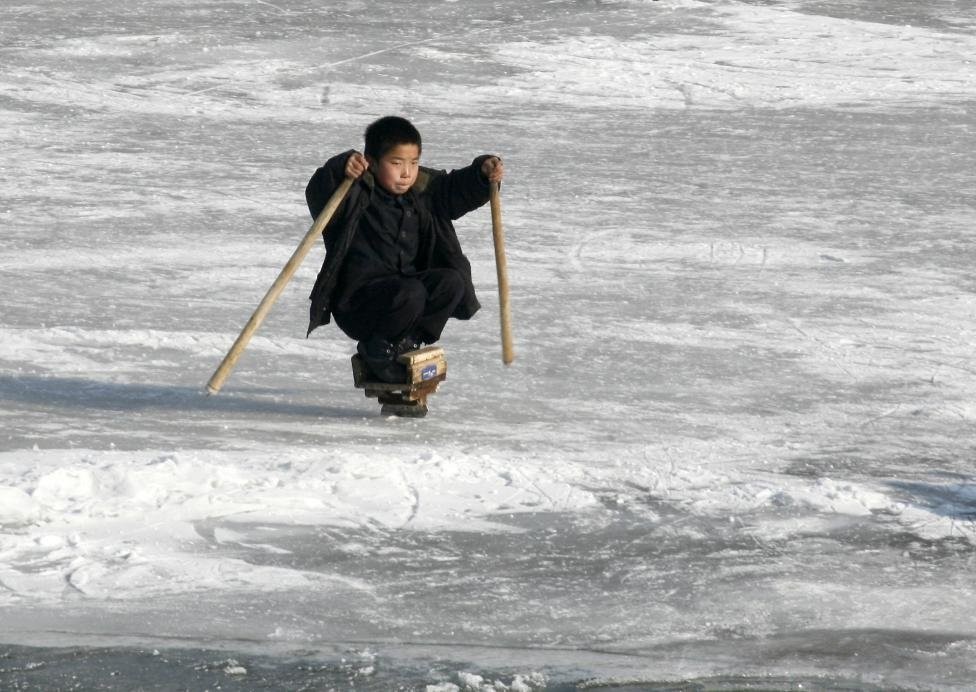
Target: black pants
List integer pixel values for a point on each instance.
(395, 306)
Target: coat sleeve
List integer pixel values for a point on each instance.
(463, 190)
(337, 233)
(324, 182)
(452, 196)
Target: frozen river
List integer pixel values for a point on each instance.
(736, 446)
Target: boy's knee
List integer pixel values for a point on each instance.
(412, 296)
(450, 281)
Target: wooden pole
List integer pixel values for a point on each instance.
(498, 233)
(230, 360)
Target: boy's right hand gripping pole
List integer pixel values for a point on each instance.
(230, 360)
(498, 233)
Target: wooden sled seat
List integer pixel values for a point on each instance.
(426, 368)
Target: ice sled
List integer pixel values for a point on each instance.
(426, 368)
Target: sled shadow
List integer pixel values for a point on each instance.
(79, 393)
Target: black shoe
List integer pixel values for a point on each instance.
(380, 357)
(408, 343)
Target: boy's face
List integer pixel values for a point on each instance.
(397, 171)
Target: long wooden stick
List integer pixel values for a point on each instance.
(498, 233)
(230, 360)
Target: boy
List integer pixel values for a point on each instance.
(394, 272)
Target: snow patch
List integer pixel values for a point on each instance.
(125, 525)
(17, 507)
(471, 682)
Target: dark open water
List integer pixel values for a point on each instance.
(126, 670)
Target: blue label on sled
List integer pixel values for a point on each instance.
(429, 372)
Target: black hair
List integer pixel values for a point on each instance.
(386, 133)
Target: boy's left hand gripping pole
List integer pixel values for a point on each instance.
(230, 360)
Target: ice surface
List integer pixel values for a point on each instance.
(736, 443)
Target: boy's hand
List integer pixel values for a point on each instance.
(493, 169)
(356, 165)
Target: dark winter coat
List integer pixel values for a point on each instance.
(439, 198)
